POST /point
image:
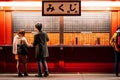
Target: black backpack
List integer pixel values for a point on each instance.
(22, 48)
(118, 40)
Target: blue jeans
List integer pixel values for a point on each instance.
(44, 63)
(116, 65)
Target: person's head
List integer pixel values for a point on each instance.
(38, 26)
(21, 33)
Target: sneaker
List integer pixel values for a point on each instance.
(40, 75)
(46, 74)
(20, 74)
(25, 74)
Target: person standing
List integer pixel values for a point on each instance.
(41, 50)
(19, 57)
(116, 51)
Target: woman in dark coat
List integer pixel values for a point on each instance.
(41, 50)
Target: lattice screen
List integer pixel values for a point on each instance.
(88, 21)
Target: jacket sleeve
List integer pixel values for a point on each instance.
(47, 38)
(14, 51)
(35, 42)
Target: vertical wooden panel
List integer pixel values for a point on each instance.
(61, 29)
(118, 17)
(114, 21)
(8, 28)
(2, 25)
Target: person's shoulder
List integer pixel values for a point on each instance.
(43, 32)
(16, 36)
(114, 34)
(37, 34)
(23, 38)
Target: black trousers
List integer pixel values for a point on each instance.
(43, 62)
(116, 65)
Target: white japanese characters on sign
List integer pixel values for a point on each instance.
(61, 8)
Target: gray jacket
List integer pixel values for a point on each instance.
(40, 44)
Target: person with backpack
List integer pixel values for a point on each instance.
(115, 43)
(41, 50)
(19, 42)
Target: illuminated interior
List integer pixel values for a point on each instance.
(69, 38)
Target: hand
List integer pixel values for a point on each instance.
(31, 45)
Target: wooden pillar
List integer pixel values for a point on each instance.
(61, 54)
(119, 18)
(5, 28)
(2, 27)
(8, 27)
(61, 29)
(114, 21)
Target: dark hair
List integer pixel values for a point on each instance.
(22, 32)
(118, 28)
(38, 26)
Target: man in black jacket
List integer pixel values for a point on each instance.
(41, 50)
